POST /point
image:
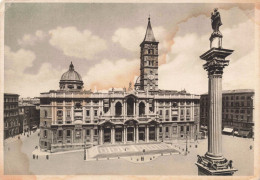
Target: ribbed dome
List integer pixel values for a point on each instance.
(71, 75)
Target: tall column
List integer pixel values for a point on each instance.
(215, 116)
(147, 133)
(64, 113)
(213, 163)
(113, 135)
(91, 112)
(134, 107)
(137, 108)
(157, 132)
(91, 135)
(101, 136)
(137, 134)
(125, 134)
(147, 107)
(134, 133)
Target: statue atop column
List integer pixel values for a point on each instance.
(215, 24)
(215, 20)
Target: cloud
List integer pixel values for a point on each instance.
(31, 39)
(184, 67)
(18, 61)
(109, 74)
(131, 38)
(28, 85)
(75, 43)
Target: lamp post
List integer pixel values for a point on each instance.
(85, 150)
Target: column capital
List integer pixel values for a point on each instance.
(215, 66)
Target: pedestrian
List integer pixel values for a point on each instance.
(37, 157)
(33, 156)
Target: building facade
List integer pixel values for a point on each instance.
(30, 116)
(237, 111)
(72, 118)
(11, 115)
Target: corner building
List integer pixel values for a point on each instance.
(72, 118)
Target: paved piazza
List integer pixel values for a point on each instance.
(67, 163)
(129, 150)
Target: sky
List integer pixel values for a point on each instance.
(102, 40)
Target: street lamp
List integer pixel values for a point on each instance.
(85, 149)
(186, 152)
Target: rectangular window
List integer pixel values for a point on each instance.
(182, 112)
(182, 128)
(167, 112)
(187, 128)
(59, 113)
(160, 112)
(188, 112)
(166, 129)
(68, 133)
(160, 129)
(95, 112)
(87, 132)
(87, 113)
(175, 118)
(68, 113)
(242, 117)
(60, 133)
(45, 133)
(96, 132)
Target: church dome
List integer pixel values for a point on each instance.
(71, 80)
(71, 75)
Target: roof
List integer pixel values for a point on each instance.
(11, 94)
(235, 91)
(71, 75)
(149, 37)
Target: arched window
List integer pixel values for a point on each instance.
(118, 109)
(141, 108)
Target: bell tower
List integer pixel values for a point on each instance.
(149, 61)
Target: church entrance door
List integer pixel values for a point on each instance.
(130, 134)
(107, 135)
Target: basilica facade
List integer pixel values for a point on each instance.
(74, 118)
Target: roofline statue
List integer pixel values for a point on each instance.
(215, 24)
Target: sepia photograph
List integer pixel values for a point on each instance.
(133, 88)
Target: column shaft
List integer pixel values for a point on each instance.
(215, 116)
